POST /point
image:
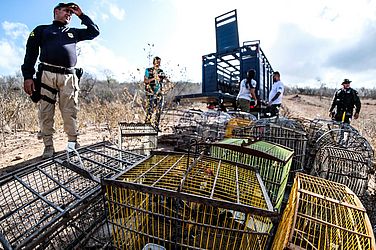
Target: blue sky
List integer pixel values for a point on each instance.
(308, 41)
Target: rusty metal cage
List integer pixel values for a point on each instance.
(140, 138)
(177, 201)
(344, 166)
(322, 214)
(345, 138)
(57, 203)
(323, 133)
(295, 139)
(272, 160)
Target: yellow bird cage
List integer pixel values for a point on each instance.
(272, 160)
(236, 123)
(322, 214)
(176, 201)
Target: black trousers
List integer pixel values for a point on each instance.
(343, 116)
(274, 109)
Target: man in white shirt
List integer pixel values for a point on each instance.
(276, 94)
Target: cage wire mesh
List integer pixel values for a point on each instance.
(332, 133)
(296, 139)
(214, 124)
(200, 126)
(177, 201)
(273, 162)
(322, 214)
(296, 124)
(140, 138)
(344, 166)
(56, 204)
(345, 138)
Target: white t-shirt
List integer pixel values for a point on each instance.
(277, 87)
(245, 93)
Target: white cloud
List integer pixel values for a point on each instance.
(96, 58)
(117, 12)
(15, 30)
(317, 29)
(11, 57)
(105, 9)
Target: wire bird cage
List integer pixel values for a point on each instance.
(345, 138)
(56, 204)
(322, 214)
(140, 138)
(177, 201)
(344, 166)
(296, 139)
(323, 133)
(214, 124)
(200, 126)
(273, 162)
(239, 119)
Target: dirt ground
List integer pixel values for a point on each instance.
(23, 147)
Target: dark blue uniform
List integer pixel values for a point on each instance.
(57, 43)
(344, 101)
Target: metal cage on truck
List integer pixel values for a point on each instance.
(223, 70)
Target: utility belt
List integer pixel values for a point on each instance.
(56, 69)
(38, 85)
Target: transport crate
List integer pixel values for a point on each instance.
(179, 201)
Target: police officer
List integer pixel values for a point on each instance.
(344, 100)
(57, 75)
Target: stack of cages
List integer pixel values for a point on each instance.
(296, 139)
(179, 201)
(272, 161)
(344, 166)
(57, 203)
(322, 214)
(140, 138)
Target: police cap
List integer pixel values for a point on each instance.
(346, 81)
(62, 5)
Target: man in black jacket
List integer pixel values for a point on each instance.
(344, 100)
(56, 73)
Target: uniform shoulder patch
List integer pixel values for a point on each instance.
(32, 33)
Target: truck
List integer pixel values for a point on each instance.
(223, 70)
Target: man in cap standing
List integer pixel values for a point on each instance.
(55, 44)
(344, 101)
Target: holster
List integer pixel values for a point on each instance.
(36, 95)
(38, 85)
(79, 73)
